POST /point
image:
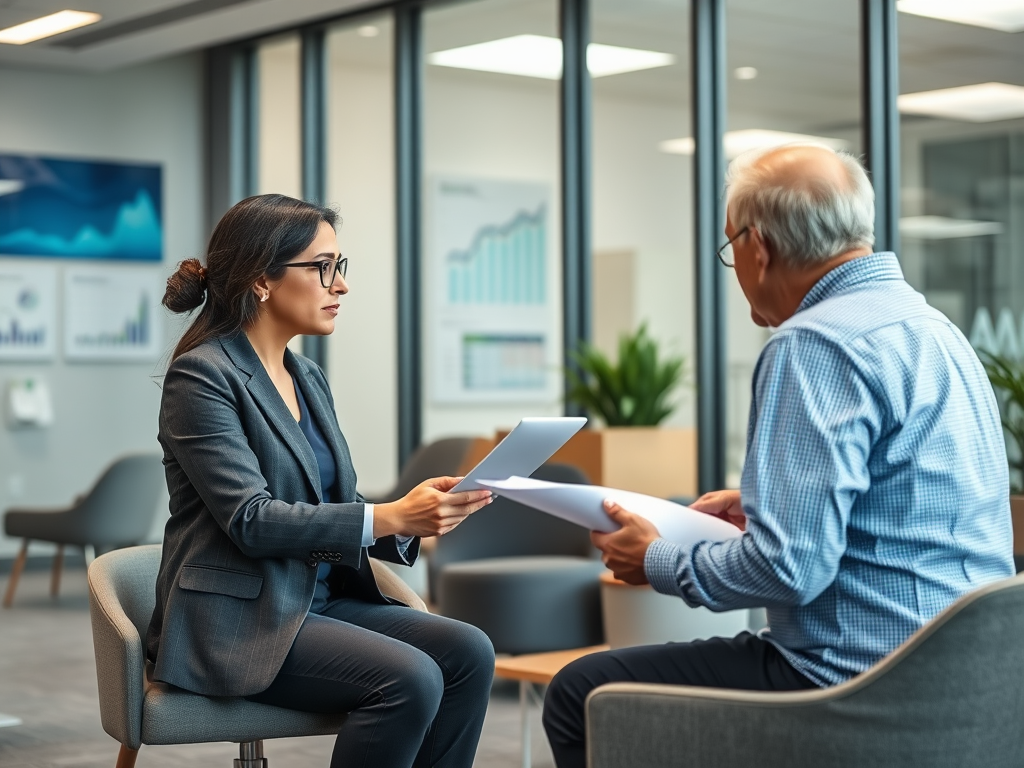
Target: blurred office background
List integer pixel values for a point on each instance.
(214, 93)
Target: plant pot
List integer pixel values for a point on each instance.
(657, 461)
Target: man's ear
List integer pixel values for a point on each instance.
(762, 254)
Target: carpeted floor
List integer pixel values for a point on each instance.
(48, 679)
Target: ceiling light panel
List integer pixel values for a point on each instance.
(737, 142)
(47, 26)
(981, 103)
(1004, 15)
(539, 56)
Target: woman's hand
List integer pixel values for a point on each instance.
(723, 504)
(428, 509)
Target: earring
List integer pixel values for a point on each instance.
(265, 296)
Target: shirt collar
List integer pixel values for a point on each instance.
(864, 269)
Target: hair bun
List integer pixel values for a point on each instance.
(186, 288)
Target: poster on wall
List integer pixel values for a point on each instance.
(111, 314)
(28, 312)
(80, 209)
(492, 316)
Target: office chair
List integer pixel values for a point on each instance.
(527, 579)
(950, 696)
(118, 510)
(135, 710)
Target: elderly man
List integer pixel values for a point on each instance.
(875, 487)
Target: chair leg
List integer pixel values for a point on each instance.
(89, 553)
(58, 565)
(126, 757)
(16, 569)
(250, 755)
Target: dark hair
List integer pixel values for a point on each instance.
(257, 237)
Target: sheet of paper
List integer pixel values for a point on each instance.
(525, 448)
(583, 505)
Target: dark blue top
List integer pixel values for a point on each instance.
(328, 484)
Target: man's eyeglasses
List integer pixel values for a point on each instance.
(725, 252)
(329, 269)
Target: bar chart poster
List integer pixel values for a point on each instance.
(493, 327)
(111, 314)
(28, 312)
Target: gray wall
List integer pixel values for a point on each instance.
(150, 113)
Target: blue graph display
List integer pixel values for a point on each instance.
(504, 264)
(80, 209)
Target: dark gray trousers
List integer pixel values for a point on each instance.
(416, 685)
(745, 662)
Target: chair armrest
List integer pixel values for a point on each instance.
(120, 665)
(658, 726)
(391, 585)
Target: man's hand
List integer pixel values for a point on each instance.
(723, 504)
(428, 509)
(624, 549)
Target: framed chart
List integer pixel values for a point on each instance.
(28, 311)
(111, 313)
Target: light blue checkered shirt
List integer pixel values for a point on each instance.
(875, 486)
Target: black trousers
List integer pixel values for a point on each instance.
(744, 662)
(416, 685)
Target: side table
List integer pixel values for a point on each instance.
(535, 668)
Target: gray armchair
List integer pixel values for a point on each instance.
(136, 711)
(440, 458)
(118, 510)
(949, 697)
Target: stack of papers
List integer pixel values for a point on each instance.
(584, 505)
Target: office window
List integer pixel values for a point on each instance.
(962, 170)
(279, 111)
(360, 176)
(793, 69)
(643, 269)
(491, 216)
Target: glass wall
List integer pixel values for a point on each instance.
(962, 172)
(793, 75)
(360, 175)
(643, 270)
(491, 216)
(280, 116)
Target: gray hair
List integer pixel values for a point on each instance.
(807, 222)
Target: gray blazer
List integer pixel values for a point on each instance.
(248, 527)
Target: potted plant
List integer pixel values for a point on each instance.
(632, 392)
(632, 396)
(1007, 377)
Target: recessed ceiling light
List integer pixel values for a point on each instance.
(1004, 15)
(745, 73)
(981, 103)
(737, 142)
(945, 228)
(368, 31)
(47, 26)
(538, 56)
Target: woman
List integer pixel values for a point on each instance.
(264, 588)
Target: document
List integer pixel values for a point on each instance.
(525, 448)
(584, 505)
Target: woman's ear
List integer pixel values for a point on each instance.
(261, 288)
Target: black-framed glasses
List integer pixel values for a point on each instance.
(725, 252)
(329, 269)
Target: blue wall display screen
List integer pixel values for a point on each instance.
(76, 209)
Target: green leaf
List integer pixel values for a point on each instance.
(633, 391)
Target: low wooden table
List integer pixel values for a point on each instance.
(535, 668)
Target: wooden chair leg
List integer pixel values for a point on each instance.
(16, 569)
(126, 757)
(58, 565)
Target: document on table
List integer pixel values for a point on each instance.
(525, 448)
(584, 505)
